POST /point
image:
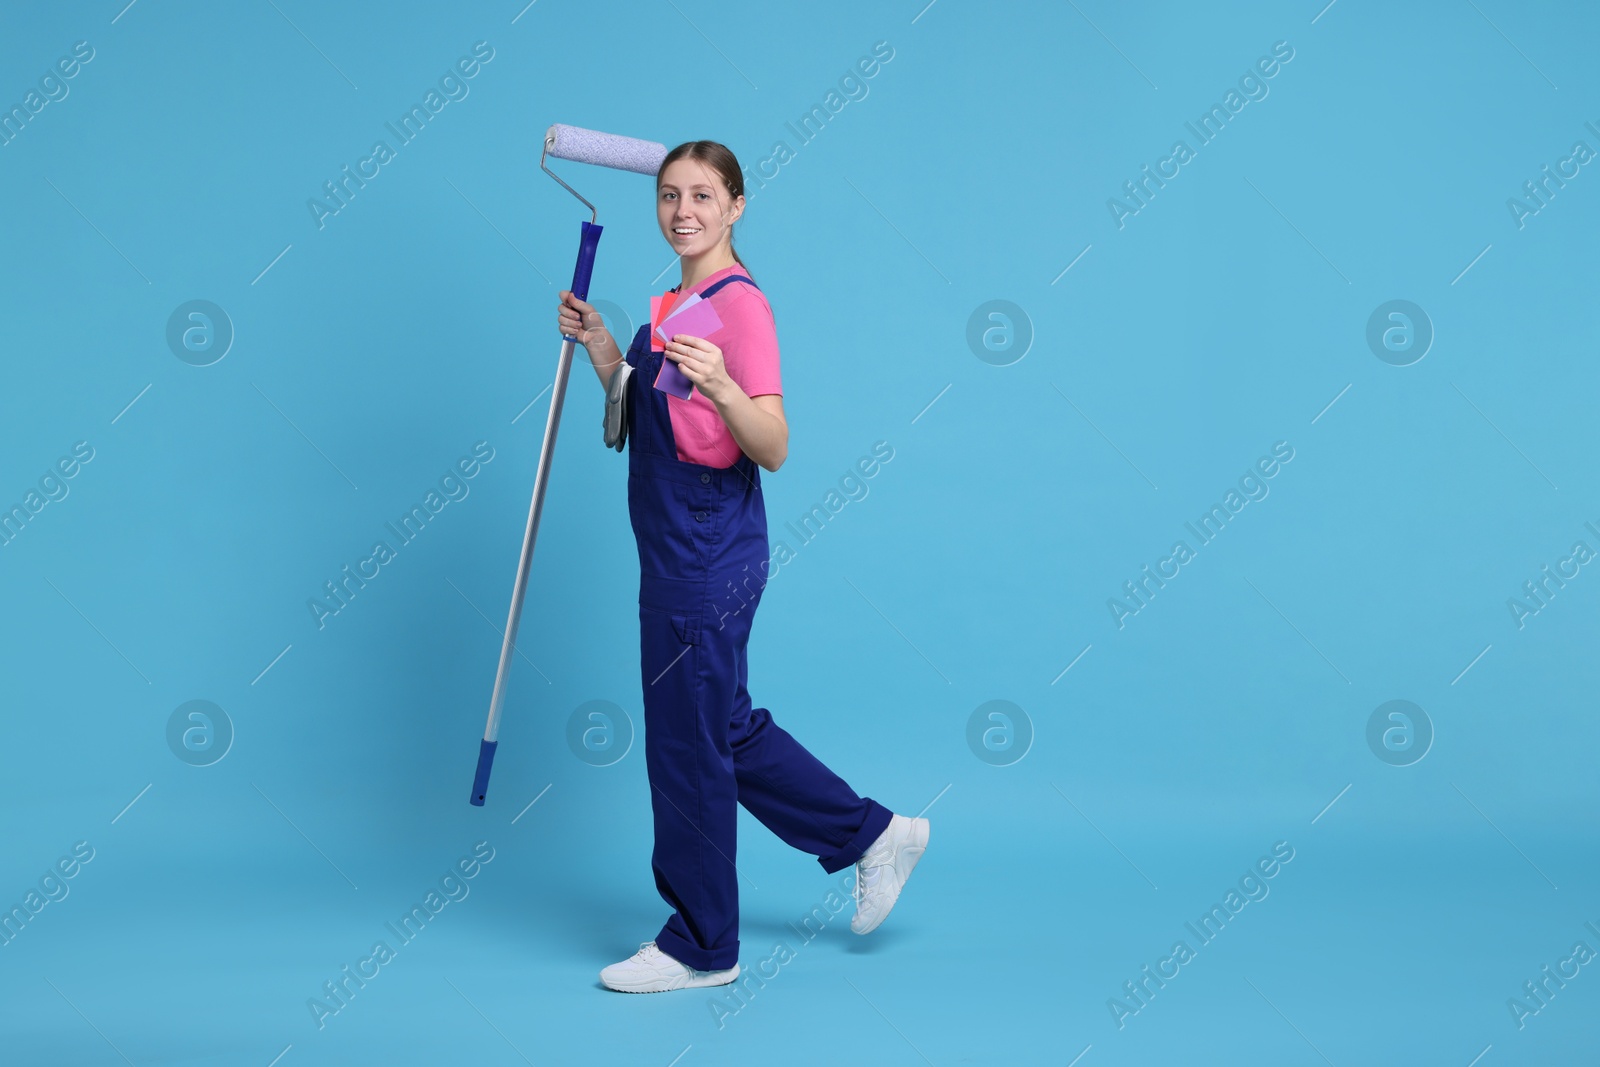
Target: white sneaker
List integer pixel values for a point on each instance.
(884, 868)
(652, 971)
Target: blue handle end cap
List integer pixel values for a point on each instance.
(480, 781)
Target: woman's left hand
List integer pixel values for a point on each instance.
(701, 363)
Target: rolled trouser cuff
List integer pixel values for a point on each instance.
(876, 822)
(689, 954)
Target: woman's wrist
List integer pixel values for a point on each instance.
(604, 352)
(723, 393)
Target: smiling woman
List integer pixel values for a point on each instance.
(700, 523)
(737, 409)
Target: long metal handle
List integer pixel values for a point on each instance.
(491, 732)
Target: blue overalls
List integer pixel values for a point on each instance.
(703, 558)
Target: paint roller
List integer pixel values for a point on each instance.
(602, 150)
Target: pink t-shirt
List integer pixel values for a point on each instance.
(749, 343)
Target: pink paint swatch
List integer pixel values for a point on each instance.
(696, 318)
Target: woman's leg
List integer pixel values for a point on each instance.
(791, 791)
(688, 677)
(707, 750)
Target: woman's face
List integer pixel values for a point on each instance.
(691, 197)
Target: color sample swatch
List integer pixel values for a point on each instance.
(694, 317)
(660, 307)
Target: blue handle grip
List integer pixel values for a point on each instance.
(480, 781)
(586, 250)
(581, 274)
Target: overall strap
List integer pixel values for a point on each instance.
(706, 295)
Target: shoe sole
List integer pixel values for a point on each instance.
(921, 831)
(695, 983)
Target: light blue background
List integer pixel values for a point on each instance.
(1227, 315)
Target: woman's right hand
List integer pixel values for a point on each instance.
(575, 318)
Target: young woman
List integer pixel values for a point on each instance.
(694, 497)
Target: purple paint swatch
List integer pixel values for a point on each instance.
(695, 318)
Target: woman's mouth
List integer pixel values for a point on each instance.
(685, 232)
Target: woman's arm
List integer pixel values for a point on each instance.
(596, 340)
(757, 423)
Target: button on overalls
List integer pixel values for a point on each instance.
(703, 559)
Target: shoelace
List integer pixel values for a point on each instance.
(867, 876)
(649, 951)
